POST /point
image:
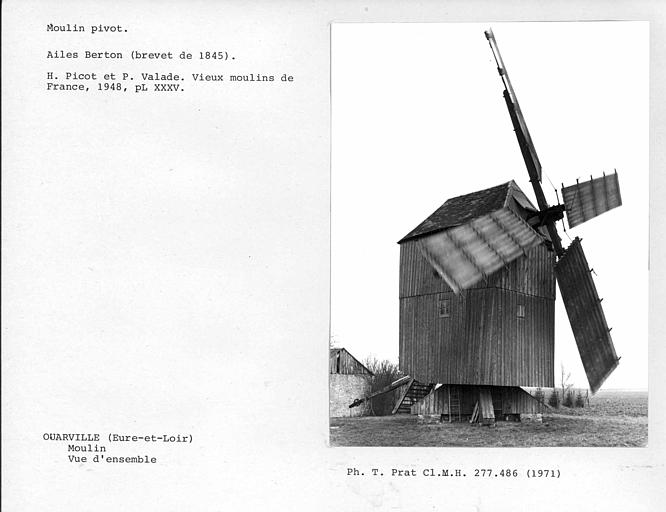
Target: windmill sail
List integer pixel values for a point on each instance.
(586, 316)
(517, 118)
(465, 254)
(586, 200)
(524, 140)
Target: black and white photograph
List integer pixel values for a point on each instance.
(489, 234)
(336, 256)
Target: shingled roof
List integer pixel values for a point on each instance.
(462, 209)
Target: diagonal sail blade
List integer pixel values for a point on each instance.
(586, 200)
(524, 141)
(586, 316)
(465, 254)
(517, 118)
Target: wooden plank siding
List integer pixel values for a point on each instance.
(532, 275)
(510, 400)
(483, 341)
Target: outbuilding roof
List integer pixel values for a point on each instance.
(462, 209)
(352, 365)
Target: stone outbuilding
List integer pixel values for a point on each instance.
(349, 380)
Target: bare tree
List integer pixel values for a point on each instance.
(565, 378)
(539, 395)
(385, 372)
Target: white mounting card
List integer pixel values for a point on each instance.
(182, 186)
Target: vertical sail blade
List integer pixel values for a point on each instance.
(465, 254)
(517, 118)
(584, 201)
(586, 316)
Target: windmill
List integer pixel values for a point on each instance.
(477, 290)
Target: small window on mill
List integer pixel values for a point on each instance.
(521, 310)
(444, 307)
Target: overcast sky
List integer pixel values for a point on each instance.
(418, 117)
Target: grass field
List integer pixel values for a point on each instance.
(613, 418)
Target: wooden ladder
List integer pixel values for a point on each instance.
(454, 403)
